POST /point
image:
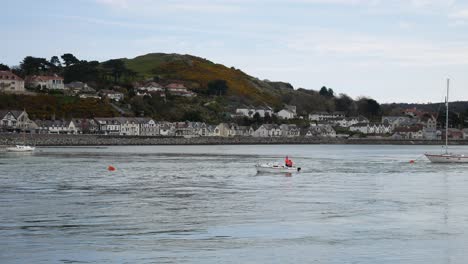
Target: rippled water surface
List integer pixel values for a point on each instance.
(206, 204)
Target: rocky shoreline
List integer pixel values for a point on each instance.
(105, 140)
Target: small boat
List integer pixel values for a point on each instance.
(21, 148)
(447, 157)
(275, 168)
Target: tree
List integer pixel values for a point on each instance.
(54, 60)
(4, 67)
(344, 103)
(69, 59)
(83, 71)
(369, 107)
(257, 118)
(116, 68)
(32, 65)
(323, 91)
(326, 92)
(218, 87)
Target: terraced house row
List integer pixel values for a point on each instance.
(16, 121)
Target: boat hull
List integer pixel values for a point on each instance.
(21, 149)
(262, 169)
(447, 158)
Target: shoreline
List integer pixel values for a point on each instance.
(52, 140)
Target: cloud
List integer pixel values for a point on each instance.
(155, 7)
(372, 50)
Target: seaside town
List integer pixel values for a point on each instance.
(411, 124)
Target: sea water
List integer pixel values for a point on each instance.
(206, 204)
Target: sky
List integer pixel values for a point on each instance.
(389, 50)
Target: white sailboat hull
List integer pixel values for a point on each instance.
(447, 158)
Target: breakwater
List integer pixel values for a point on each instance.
(106, 140)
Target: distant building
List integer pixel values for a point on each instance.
(319, 131)
(148, 88)
(54, 82)
(320, 116)
(179, 89)
(9, 82)
(399, 121)
(113, 95)
(409, 132)
(250, 111)
(79, 87)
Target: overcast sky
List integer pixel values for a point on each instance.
(390, 50)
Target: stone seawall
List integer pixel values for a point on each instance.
(102, 140)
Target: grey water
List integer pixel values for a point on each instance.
(206, 204)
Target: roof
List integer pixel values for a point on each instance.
(406, 129)
(110, 92)
(175, 86)
(8, 75)
(15, 113)
(43, 78)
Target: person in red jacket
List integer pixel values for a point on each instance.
(288, 162)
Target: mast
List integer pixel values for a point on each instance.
(447, 117)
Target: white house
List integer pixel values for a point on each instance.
(148, 127)
(286, 114)
(54, 82)
(9, 82)
(16, 120)
(366, 128)
(108, 126)
(129, 126)
(223, 130)
(268, 130)
(53, 126)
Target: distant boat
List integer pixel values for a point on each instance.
(21, 148)
(447, 157)
(275, 168)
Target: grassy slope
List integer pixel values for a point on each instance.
(199, 72)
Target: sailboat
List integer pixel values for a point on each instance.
(447, 157)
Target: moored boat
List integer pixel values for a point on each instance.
(21, 148)
(447, 157)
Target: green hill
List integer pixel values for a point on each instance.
(198, 72)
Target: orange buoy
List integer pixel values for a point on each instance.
(411, 161)
(111, 168)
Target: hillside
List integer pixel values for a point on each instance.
(198, 72)
(219, 89)
(47, 106)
